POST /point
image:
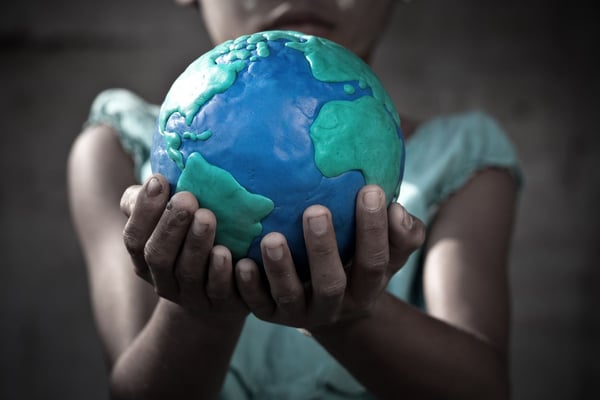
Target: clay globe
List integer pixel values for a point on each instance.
(263, 126)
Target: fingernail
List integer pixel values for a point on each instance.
(275, 253)
(218, 260)
(153, 188)
(199, 228)
(245, 275)
(318, 224)
(183, 216)
(372, 200)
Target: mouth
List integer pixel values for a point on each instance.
(304, 22)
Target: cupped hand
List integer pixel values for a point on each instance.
(171, 243)
(385, 237)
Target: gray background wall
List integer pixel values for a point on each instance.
(528, 63)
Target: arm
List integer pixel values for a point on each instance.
(98, 173)
(460, 349)
(156, 347)
(457, 351)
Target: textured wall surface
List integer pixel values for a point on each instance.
(528, 63)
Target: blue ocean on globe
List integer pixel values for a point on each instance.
(264, 126)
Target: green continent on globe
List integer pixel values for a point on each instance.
(239, 212)
(330, 62)
(344, 128)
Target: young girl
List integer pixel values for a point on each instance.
(410, 319)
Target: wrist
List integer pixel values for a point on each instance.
(191, 321)
(340, 327)
(354, 320)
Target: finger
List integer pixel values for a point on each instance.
(407, 234)
(327, 273)
(371, 260)
(252, 290)
(286, 288)
(162, 248)
(191, 265)
(129, 198)
(219, 287)
(145, 207)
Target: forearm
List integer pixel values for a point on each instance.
(176, 356)
(400, 350)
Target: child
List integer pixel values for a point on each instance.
(408, 320)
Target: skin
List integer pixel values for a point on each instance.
(355, 23)
(170, 305)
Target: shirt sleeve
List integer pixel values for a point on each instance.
(448, 151)
(133, 119)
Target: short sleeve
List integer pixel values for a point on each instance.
(448, 151)
(134, 120)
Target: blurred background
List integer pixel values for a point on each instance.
(529, 63)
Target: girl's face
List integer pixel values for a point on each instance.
(355, 24)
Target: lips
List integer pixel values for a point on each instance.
(305, 22)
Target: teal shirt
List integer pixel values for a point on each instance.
(277, 362)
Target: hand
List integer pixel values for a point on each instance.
(384, 240)
(171, 245)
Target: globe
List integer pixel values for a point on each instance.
(263, 126)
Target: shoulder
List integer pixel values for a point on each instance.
(478, 175)
(98, 172)
(132, 119)
(96, 150)
(445, 152)
(469, 133)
